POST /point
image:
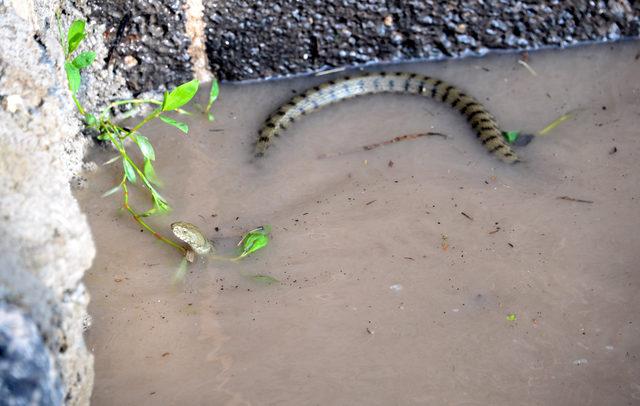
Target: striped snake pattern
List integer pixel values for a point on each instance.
(483, 122)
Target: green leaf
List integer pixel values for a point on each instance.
(253, 241)
(178, 124)
(180, 96)
(266, 279)
(90, 119)
(73, 76)
(511, 136)
(111, 191)
(213, 94)
(150, 173)
(129, 172)
(145, 147)
(511, 317)
(75, 35)
(210, 117)
(84, 59)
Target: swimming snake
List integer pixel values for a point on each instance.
(333, 91)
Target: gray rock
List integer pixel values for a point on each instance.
(27, 373)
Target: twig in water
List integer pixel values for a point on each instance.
(330, 71)
(529, 68)
(556, 122)
(571, 199)
(466, 215)
(406, 137)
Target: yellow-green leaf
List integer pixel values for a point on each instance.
(178, 124)
(73, 76)
(129, 171)
(180, 96)
(75, 35)
(84, 59)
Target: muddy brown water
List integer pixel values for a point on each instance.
(388, 294)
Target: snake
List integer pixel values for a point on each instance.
(481, 120)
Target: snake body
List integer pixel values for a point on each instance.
(483, 122)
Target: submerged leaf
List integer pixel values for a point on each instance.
(181, 272)
(511, 317)
(266, 279)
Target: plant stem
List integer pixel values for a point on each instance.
(137, 101)
(137, 218)
(78, 105)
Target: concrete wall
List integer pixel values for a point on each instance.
(45, 242)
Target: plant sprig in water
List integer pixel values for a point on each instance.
(143, 174)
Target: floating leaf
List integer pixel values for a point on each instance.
(75, 35)
(511, 317)
(145, 147)
(511, 136)
(73, 76)
(84, 59)
(111, 191)
(180, 96)
(210, 117)
(178, 124)
(129, 172)
(266, 279)
(253, 241)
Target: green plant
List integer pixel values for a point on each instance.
(133, 173)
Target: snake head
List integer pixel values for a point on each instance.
(193, 236)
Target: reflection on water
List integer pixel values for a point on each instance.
(389, 294)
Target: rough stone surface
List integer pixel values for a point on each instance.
(27, 375)
(45, 243)
(260, 39)
(146, 41)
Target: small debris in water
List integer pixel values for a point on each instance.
(571, 199)
(466, 215)
(445, 242)
(511, 317)
(371, 202)
(529, 68)
(580, 361)
(396, 288)
(613, 150)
